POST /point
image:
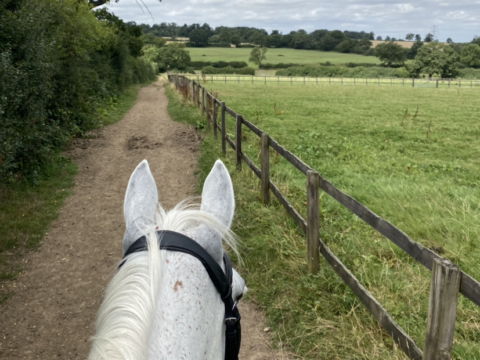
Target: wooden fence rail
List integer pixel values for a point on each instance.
(446, 281)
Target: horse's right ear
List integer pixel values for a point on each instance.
(140, 204)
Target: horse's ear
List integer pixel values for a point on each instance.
(140, 204)
(217, 195)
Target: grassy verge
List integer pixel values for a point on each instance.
(27, 210)
(418, 171)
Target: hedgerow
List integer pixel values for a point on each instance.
(59, 62)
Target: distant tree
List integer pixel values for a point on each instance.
(387, 38)
(257, 38)
(434, 58)
(172, 56)
(390, 53)
(449, 41)
(429, 37)
(476, 40)
(412, 52)
(365, 43)
(330, 41)
(225, 35)
(275, 32)
(418, 38)
(410, 37)
(236, 39)
(346, 46)
(274, 41)
(199, 38)
(379, 38)
(470, 55)
(214, 39)
(257, 55)
(393, 39)
(150, 39)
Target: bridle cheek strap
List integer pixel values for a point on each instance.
(173, 241)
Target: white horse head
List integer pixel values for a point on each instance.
(162, 304)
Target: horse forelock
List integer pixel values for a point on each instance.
(126, 317)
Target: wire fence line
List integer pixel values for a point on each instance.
(294, 80)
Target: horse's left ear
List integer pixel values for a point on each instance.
(217, 194)
(140, 204)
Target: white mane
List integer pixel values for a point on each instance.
(124, 320)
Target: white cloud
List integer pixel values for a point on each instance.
(458, 20)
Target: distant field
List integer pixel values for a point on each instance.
(276, 56)
(416, 168)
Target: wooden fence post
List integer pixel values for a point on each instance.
(203, 101)
(238, 141)
(214, 118)
(442, 310)
(193, 91)
(223, 130)
(207, 107)
(265, 159)
(413, 82)
(437, 84)
(313, 243)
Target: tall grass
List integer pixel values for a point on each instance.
(417, 169)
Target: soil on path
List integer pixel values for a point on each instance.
(52, 311)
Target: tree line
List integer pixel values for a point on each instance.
(358, 42)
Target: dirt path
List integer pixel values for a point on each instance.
(56, 298)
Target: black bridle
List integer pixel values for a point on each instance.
(173, 241)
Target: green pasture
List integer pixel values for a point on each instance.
(410, 155)
(275, 56)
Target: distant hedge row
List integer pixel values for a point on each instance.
(218, 64)
(228, 70)
(343, 71)
(59, 62)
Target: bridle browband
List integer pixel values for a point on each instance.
(173, 241)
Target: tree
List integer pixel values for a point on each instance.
(172, 56)
(418, 38)
(412, 52)
(449, 41)
(410, 36)
(236, 39)
(470, 55)
(387, 38)
(434, 58)
(95, 3)
(258, 55)
(379, 38)
(390, 53)
(429, 37)
(199, 38)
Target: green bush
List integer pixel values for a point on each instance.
(51, 86)
(341, 71)
(218, 64)
(210, 70)
(469, 73)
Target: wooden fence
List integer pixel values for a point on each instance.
(409, 82)
(447, 280)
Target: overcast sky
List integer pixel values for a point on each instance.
(459, 20)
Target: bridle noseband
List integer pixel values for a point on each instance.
(173, 241)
